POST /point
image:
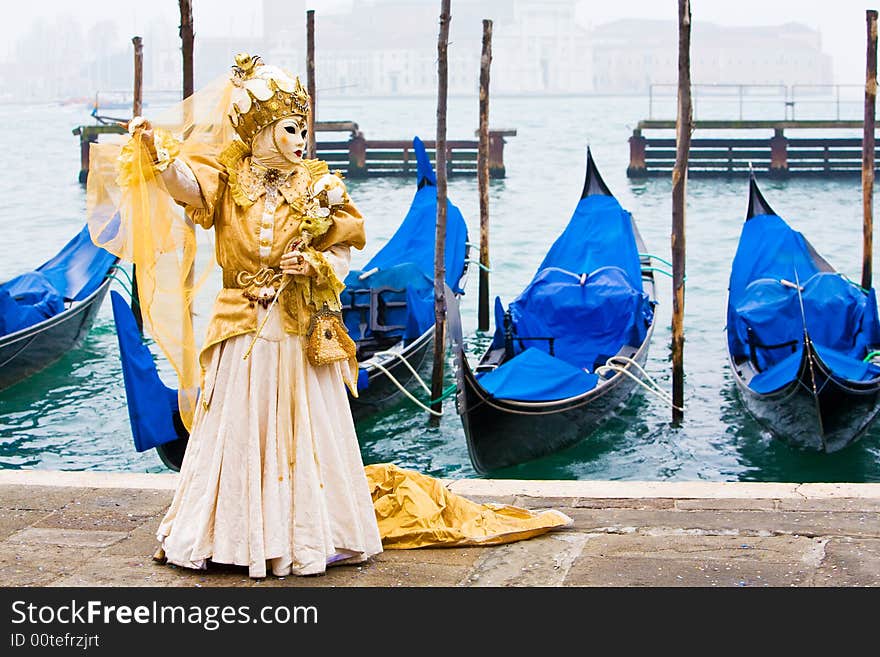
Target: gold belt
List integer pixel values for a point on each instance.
(257, 287)
(263, 277)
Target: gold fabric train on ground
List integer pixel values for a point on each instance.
(416, 511)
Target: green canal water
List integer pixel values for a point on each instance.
(73, 415)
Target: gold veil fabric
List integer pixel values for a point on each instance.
(415, 511)
(132, 215)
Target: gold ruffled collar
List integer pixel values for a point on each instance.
(248, 180)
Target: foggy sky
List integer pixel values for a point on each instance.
(841, 23)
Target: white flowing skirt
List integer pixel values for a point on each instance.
(272, 473)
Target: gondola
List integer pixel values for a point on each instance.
(388, 305)
(566, 352)
(801, 337)
(46, 312)
(153, 410)
(388, 308)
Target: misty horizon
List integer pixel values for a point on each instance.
(92, 51)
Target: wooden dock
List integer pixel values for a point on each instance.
(358, 157)
(773, 153)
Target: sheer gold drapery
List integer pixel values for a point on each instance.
(132, 215)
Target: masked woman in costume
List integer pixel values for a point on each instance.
(272, 478)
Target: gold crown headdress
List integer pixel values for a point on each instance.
(262, 95)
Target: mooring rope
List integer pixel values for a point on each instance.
(651, 385)
(659, 270)
(123, 270)
(396, 354)
(871, 355)
(479, 264)
(406, 392)
(655, 257)
(852, 282)
(409, 367)
(122, 284)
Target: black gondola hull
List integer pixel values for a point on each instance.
(382, 393)
(503, 433)
(832, 418)
(27, 352)
(817, 411)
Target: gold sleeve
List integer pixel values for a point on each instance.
(212, 178)
(347, 229)
(325, 286)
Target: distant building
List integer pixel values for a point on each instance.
(389, 47)
(630, 55)
(540, 48)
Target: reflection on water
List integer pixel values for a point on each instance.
(73, 416)
(621, 449)
(765, 458)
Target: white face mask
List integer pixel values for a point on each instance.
(281, 144)
(290, 138)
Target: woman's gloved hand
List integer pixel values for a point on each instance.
(142, 126)
(293, 262)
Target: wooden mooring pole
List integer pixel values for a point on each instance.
(311, 147)
(137, 107)
(187, 39)
(683, 130)
(187, 46)
(440, 233)
(137, 103)
(483, 174)
(868, 151)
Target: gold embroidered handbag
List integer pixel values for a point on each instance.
(327, 340)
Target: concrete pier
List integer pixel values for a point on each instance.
(97, 529)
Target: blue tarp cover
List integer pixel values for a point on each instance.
(590, 322)
(151, 404)
(786, 370)
(72, 275)
(535, 375)
(587, 295)
(27, 300)
(765, 315)
(598, 234)
(415, 317)
(406, 261)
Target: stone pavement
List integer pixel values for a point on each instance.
(97, 529)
